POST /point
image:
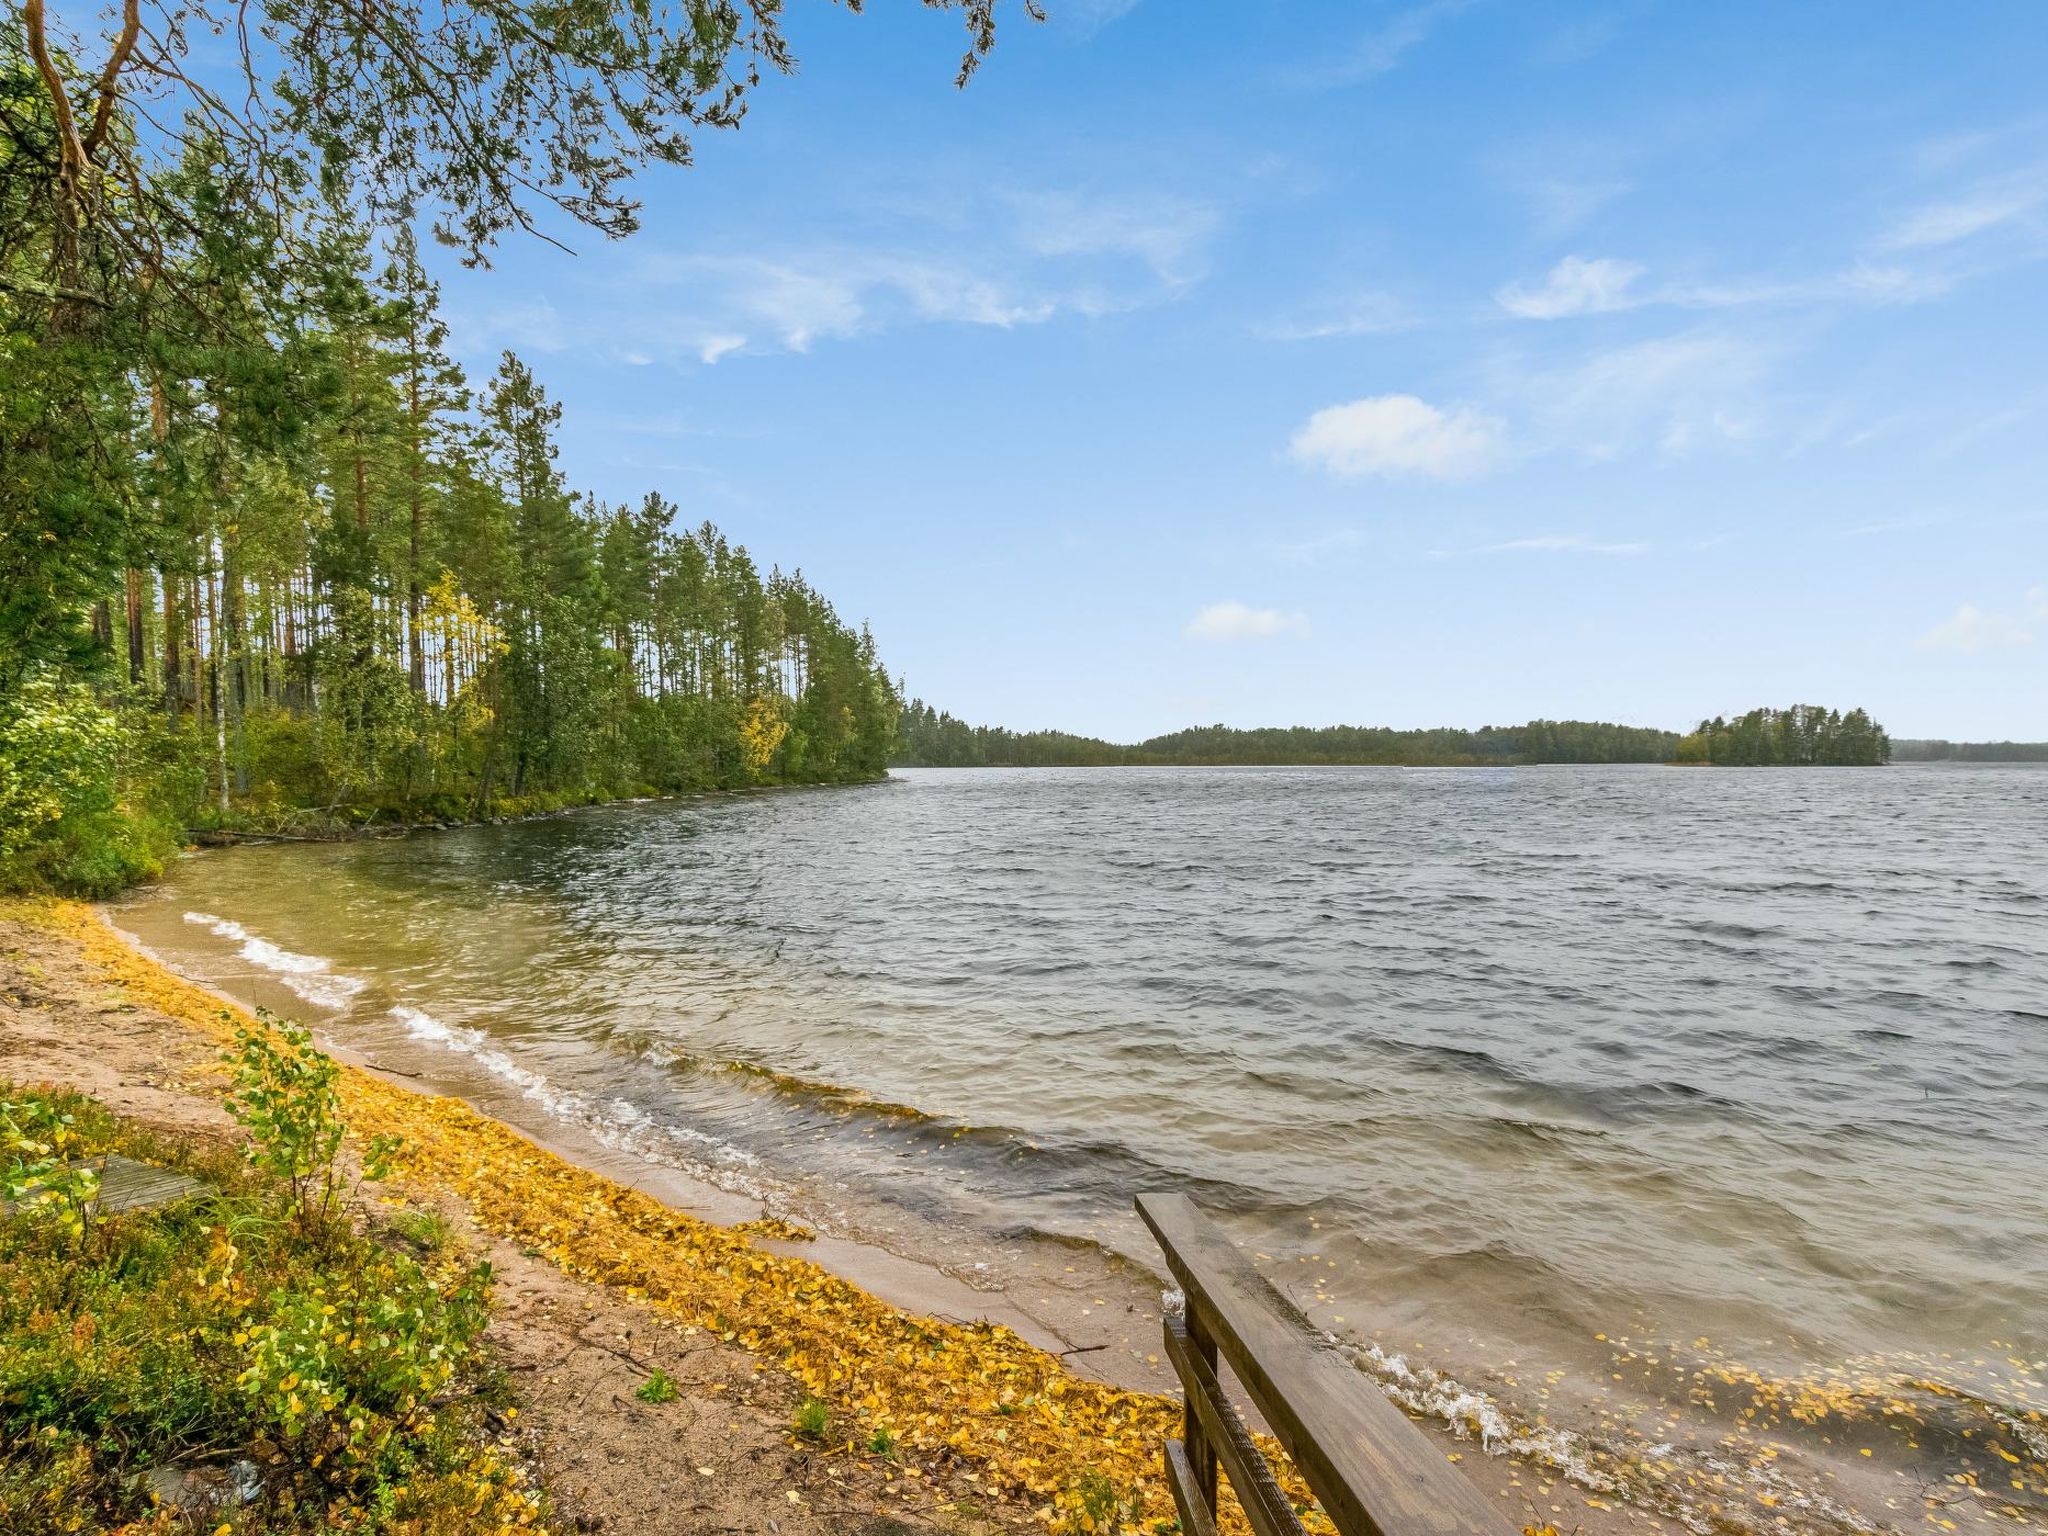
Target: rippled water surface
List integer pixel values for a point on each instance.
(1693, 1107)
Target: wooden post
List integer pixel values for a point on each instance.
(1201, 1454)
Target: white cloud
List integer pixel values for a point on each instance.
(1971, 629)
(1168, 234)
(796, 300)
(1088, 17)
(1236, 621)
(1672, 392)
(1983, 207)
(1398, 435)
(1575, 286)
(1380, 51)
(999, 258)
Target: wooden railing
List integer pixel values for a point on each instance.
(1372, 1470)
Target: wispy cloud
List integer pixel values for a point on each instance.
(1578, 285)
(1167, 234)
(1399, 435)
(1888, 525)
(1042, 255)
(1229, 621)
(1562, 204)
(1572, 544)
(1550, 543)
(1088, 17)
(1984, 206)
(1971, 629)
(1381, 50)
(1671, 394)
(1578, 39)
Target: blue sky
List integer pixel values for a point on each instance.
(1278, 362)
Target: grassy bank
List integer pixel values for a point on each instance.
(253, 1356)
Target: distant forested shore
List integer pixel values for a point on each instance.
(1802, 735)
(1936, 751)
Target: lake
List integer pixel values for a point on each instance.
(1688, 1127)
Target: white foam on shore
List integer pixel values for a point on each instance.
(618, 1123)
(1472, 1414)
(308, 976)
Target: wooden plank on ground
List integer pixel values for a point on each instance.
(126, 1185)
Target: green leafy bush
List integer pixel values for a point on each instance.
(349, 1377)
(285, 1095)
(63, 823)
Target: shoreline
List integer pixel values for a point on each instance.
(341, 831)
(1090, 1305)
(952, 1392)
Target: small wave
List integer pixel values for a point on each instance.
(1627, 1467)
(1729, 930)
(616, 1123)
(308, 976)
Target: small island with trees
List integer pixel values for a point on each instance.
(1804, 736)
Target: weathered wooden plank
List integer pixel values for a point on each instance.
(126, 1185)
(1373, 1471)
(1195, 1518)
(1251, 1476)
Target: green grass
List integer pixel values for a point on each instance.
(230, 1327)
(428, 1231)
(812, 1419)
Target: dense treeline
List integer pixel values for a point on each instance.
(271, 559)
(928, 738)
(1806, 735)
(1970, 751)
(932, 739)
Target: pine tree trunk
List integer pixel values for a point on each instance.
(136, 659)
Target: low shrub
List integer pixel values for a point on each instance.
(302, 1373)
(658, 1388)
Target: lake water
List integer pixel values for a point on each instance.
(1689, 1128)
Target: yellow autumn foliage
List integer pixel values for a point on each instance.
(762, 730)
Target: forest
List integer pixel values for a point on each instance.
(1806, 735)
(932, 739)
(1937, 751)
(272, 561)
